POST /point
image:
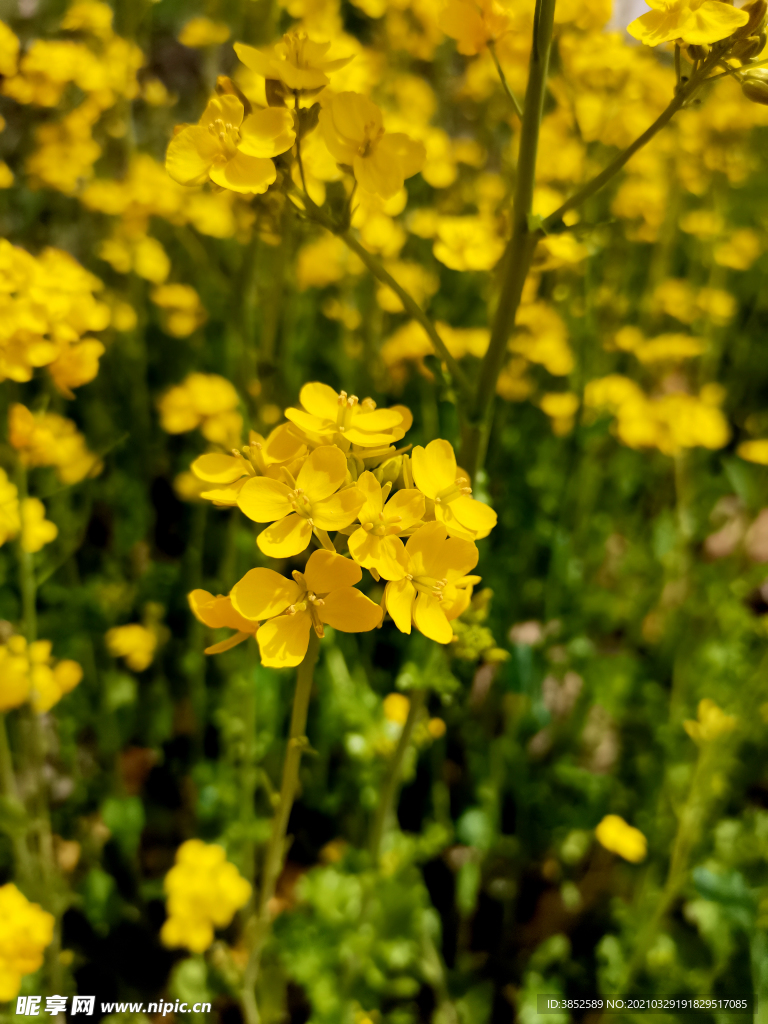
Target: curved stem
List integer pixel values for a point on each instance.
(517, 257)
(392, 780)
(411, 306)
(511, 96)
(273, 863)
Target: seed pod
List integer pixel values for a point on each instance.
(754, 85)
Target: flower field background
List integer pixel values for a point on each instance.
(383, 506)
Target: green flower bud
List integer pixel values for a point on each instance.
(754, 85)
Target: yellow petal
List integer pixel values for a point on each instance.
(339, 510)
(424, 549)
(350, 611)
(322, 473)
(263, 593)
(320, 400)
(326, 571)
(264, 500)
(219, 469)
(373, 505)
(217, 612)
(434, 467)
(377, 175)
(429, 618)
(392, 561)
(285, 538)
(226, 108)
(244, 174)
(283, 641)
(267, 133)
(399, 597)
(471, 515)
(190, 155)
(408, 504)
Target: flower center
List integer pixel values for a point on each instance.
(371, 135)
(450, 494)
(228, 136)
(311, 603)
(428, 585)
(383, 526)
(301, 504)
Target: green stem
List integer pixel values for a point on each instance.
(411, 306)
(10, 791)
(510, 95)
(273, 863)
(392, 780)
(27, 582)
(518, 255)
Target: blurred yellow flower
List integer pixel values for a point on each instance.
(36, 530)
(437, 476)
(316, 500)
(199, 32)
(26, 931)
(712, 722)
(229, 148)
(371, 545)
(296, 61)
(323, 595)
(10, 521)
(9, 50)
(740, 251)
(27, 672)
(561, 407)
(203, 400)
(396, 707)
(47, 439)
(754, 451)
(474, 23)
(428, 591)
(692, 21)
(133, 642)
(617, 836)
(184, 312)
(204, 892)
(353, 128)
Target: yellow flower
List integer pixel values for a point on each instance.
(396, 708)
(617, 836)
(203, 400)
(433, 578)
(47, 439)
(184, 312)
(473, 23)
(9, 50)
(468, 243)
(754, 451)
(36, 530)
(204, 892)
(27, 672)
(10, 521)
(371, 545)
(15, 683)
(296, 61)
(692, 21)
(260, 457)
(436, 475)
(89, 16)
(314, 502)
(199, 32)
(229, 148)
(712, 722)
(323, 595)
(27, 930)
(341, 418)
(133, 642)
(561, 407)
(218, 613)
(353, 129)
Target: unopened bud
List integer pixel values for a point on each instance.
(276, 92)
(745, 49)
(698, 51)
(226, 87)
(756, 10)
(754, 85)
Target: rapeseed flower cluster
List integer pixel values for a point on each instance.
(617, 836)
(29, 673)
(26, 932)
(204, 892)
(409, 519)
(206, 401)
(49, 311)
(47, 439)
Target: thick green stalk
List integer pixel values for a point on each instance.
(517, 257)
(392, 780)
(273, 863)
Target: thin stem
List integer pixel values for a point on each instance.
(27, 581)
(510, 95)
(392, 780)
(517, 257)
(273, 863)
(10, 791)
(681, 97)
